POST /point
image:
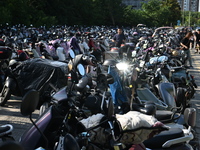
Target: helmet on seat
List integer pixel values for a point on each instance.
(175, 53)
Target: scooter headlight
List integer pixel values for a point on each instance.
(122, 66)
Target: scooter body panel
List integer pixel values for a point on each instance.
(167, 92)
(61, 94)
(49, 124)
(10, 83)
(185, 146)
(146, 95)
(32, 137)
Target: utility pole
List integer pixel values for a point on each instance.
(189, 17)
(183, 24)
(183, 19)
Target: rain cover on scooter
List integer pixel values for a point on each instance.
(116, 89)
(34, 74)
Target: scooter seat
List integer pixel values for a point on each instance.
(165, 116)
(158, 140)
(147, 108)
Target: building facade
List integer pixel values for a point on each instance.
(189, 5)
(136, 4)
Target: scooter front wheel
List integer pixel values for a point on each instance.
(5, 95)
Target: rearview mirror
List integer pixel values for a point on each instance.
(71, 54)
(81, 69)
(29, 102)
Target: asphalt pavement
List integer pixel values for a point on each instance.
(10, 113)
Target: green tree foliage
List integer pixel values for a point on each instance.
(88, 12)
(173, 12)
(191, 18)
(162, 13)
(24, 12)
(152, 12)
(133, 17)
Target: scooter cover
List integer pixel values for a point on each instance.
(33, 74)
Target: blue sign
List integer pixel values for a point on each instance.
(178, 22)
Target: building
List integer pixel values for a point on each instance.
(136, 4)
(186, 5)
(189, 5)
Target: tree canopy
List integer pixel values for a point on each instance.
(88, 12)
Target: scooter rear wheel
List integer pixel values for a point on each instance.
(5, 95)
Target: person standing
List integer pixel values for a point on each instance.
(197, 40)
(74, 44)
(119, 38)
(185, 43)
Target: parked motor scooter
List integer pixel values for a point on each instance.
(23, 75)
(47, 129)
(66, 115)
(175, 138)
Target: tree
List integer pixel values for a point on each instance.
(89, 12)
(151, 12)
(173, 12)
(162, 13)
(132, 17)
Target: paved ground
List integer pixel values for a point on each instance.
(11, 112)
(195, 102)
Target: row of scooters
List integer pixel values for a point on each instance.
(83, 115)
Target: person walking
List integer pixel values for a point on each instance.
(119, 38)
(185, 43)
(197, 40)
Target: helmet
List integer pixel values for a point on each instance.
(135, 33)
(174, 52)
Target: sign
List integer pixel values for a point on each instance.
(178, 22)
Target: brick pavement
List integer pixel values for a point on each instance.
(11, 112)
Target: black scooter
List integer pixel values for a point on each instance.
(33, 74)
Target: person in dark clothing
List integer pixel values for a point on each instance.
(185, 43)
(74, 44)
(119, 38)
(197, 40)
